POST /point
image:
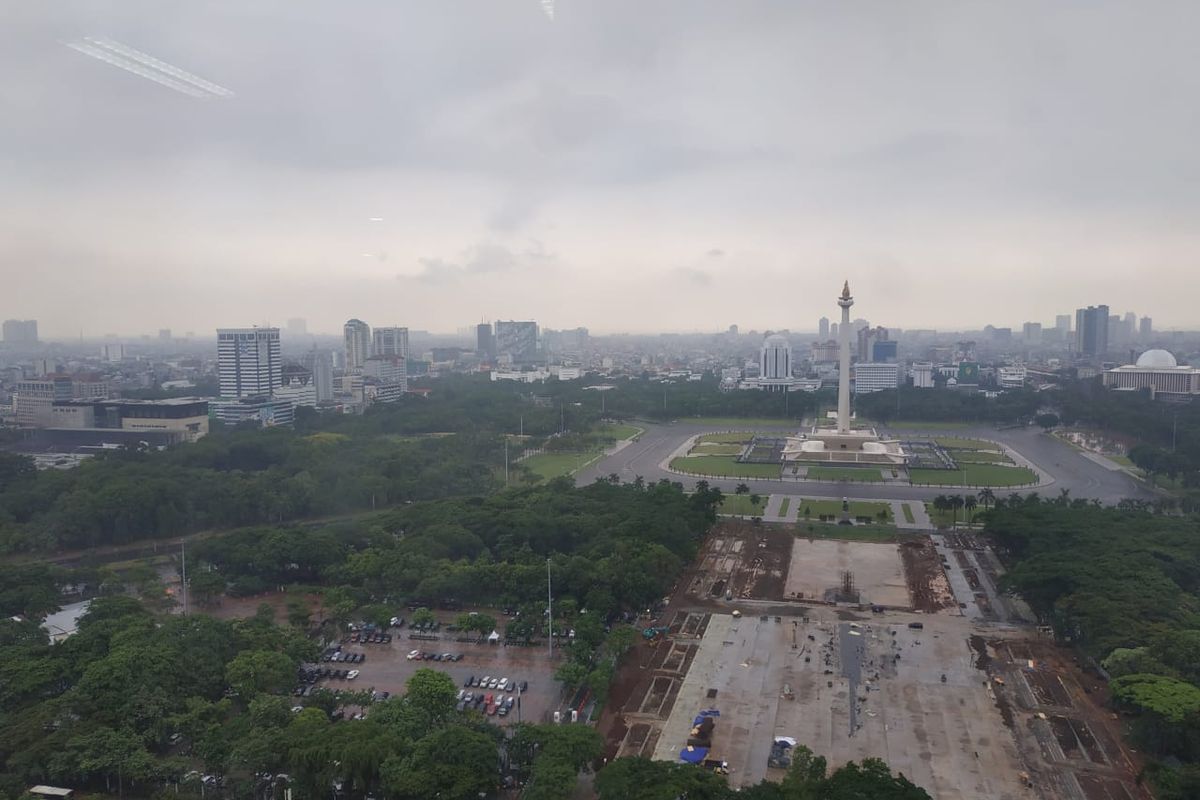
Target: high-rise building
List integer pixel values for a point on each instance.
(1032, 332)
(297, 326)
(389, 342)
(823, 329)
(1116, 330)
(485, 342)
(248, 361)
(1091, 331)
(517, 339)
(922, 374)
(867, 337)
(1146, 328)
(320, 364)
(870, 377)
(775, 362)
(884, 351)
(20, 331)
(1062, 322)
(358, 343)
(833, 332)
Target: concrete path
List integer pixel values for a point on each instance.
(775, 511)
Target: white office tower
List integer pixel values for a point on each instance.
(390, 342)
(358, 343)
(248, 361)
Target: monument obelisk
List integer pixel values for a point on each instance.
(843, 411)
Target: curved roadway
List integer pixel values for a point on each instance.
(1063, 466)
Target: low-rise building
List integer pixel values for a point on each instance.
(871, 377)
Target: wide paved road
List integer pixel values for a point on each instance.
(1067, 468)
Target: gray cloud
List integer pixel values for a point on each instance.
(937, 151)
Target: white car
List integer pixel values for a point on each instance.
(461, 694)
(503, 685)
(413, 654)
(483, 682)
(493, 683)
(352, 674)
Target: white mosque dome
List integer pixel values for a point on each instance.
(1156, 359)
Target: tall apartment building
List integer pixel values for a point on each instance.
(823, 329)
(1091, 331)
(248, 361)
(1031, 332)
(358, 343)
(1062, 322)
(20, 331)
(1146, 328)
(389, 342)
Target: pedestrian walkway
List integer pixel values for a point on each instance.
(776, 512)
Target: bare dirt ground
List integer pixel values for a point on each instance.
(877, 569)
(851, 684)
(928, 587)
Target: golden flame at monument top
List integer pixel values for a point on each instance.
(846, 291)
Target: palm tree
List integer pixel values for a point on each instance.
(956, 502)
(987, 497)
(970, 502)
(941, 503)
(1064, 497)
(741, 488)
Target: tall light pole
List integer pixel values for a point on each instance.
(183, 575)
(549, 610)
(506, 460)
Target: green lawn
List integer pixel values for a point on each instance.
(958, 443)
(724, 466)
(908, 514)
(783, 506)
(621, 431)
(552, 465)
(845, 474)
(740, 504)
(737, 437)
(1124, 461)
(912, 425)
(973, 475)
(849, 533)
(834, 507)
(738, 422)
(714, 449)
(943, 519)
(979, 457)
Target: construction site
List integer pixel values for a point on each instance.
(896, 650)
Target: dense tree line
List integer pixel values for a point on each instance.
(612, 548)
(232, 478)
(942, 405)
(1124, 585)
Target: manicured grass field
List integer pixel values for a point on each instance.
(941, 519)
(740, 504)
(1124, 461)
(737, 437)
(973, 475)
(926, 426)
(958, 443)
(621, 431)
(724, 466)
(908, 514)
(834, 507)
(552, 465)
(979, 457)
(783, 506)
(714, 449)
(844, 474)
(848, 533)
(740, 422)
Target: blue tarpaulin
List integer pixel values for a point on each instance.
(693, 755)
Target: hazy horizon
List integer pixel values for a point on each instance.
(622, 166)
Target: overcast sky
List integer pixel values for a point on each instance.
(627, 165)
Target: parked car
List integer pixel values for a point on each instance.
(493, 683)
(491, 709)
(509, 701)
(461, 694)
(502, 711)
(352, 674)
(503, 685)
(461, 705)
(483, 682)
(413, 654)
(524, 686)
(487, 698)
(469, 681)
